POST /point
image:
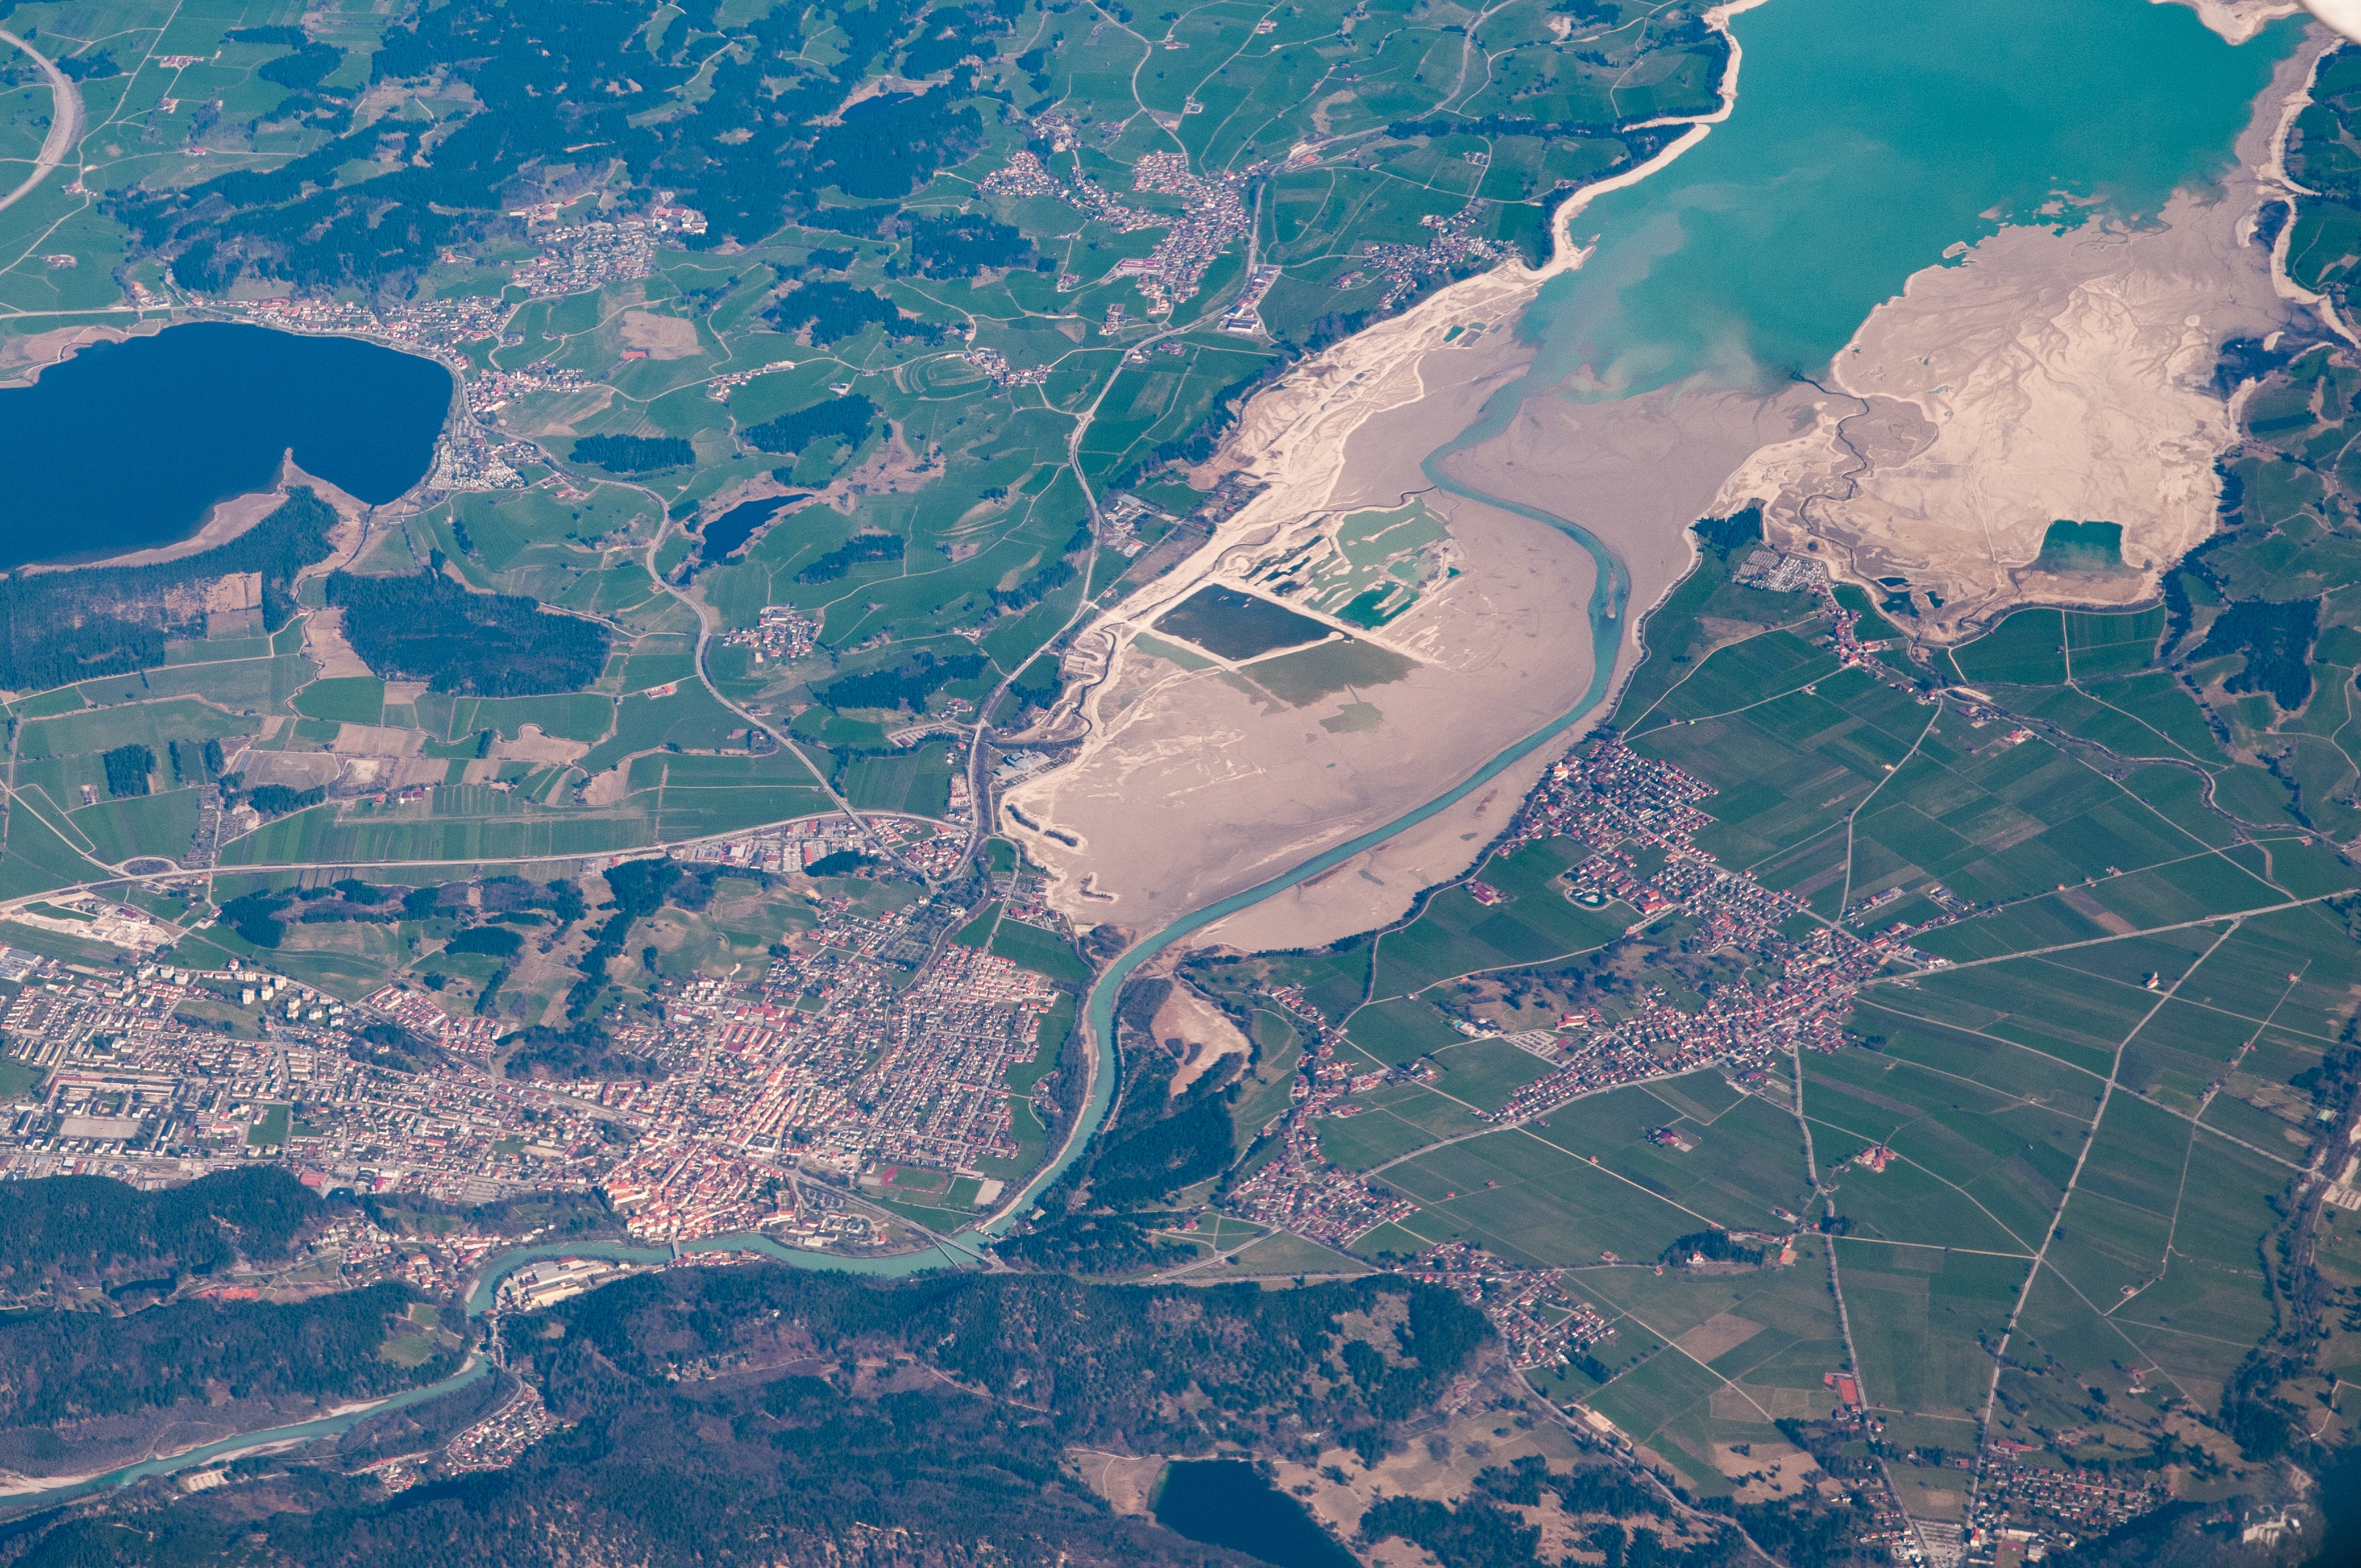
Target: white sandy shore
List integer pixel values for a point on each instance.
(228, 519)
(2048, 376)
(1499, 659)
(2238, 20)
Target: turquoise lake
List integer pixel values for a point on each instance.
(1869, 136)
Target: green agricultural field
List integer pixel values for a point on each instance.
(1044, 952)
(1528, 919)
(1393, 1033)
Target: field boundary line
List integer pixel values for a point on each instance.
(2008, 1331)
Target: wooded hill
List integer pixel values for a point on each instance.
(93, 1229)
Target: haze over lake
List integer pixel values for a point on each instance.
(1867, 138)
(126, 445)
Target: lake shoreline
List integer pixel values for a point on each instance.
(171, 442)
(224, 522)
(23, 359)
(227, 520)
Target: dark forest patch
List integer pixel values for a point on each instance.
(428, 628)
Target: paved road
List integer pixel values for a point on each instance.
(65, 120)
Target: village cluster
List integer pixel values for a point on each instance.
(2034, 1509)
(579, 257)
(1212, 217)
(488, 391)
(1004, 375)
(1406, 268)
(783, 635)
(1542, 1323)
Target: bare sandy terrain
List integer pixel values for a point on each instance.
(296, 770)
(1721, 1332)
(2237, 20)
(1194, 783)
(660, 338)
(1766, 1471)
(22, 359)
(2046, 376)
(1634, 474)
(229, 518)
(1204, 1031)
(390, 771)
(324, 646)
(532, 745)
(225, 522)
(1244, 787)
(377, 741)
(1377, 885)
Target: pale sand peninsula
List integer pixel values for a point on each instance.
(2046, 376)
(2238, 20)
(227, 520)
(1188, 786)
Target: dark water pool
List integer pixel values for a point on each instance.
(1225, 1502)
(2340, 1500)
(126, 445)
(728, 534)
(1237, 625)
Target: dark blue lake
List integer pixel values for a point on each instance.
(1226, 1502)
(126, 445)
(728, 534)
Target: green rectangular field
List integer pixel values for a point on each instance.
(1395, 1032)
(1044, 952)
(151, 724)
(1485, 1073)
(918, 785)
(1916, 1314)
(146, 825)
(1370, 1138)
(355, 699)
(1529, 1200)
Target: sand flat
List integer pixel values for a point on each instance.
(1190, 785)
(1195, 784)
(2045, 377)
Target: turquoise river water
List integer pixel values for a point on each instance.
(1869, 136)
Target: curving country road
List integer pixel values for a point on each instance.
(65, 120)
